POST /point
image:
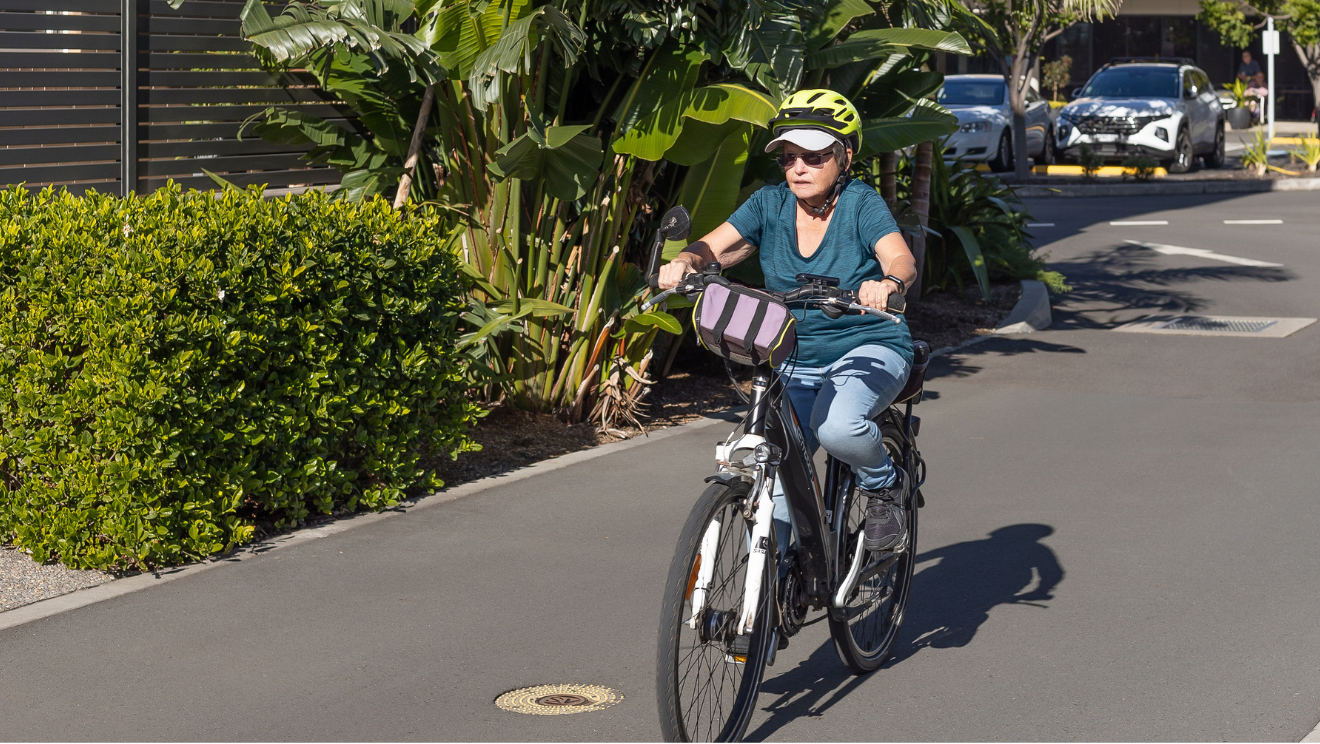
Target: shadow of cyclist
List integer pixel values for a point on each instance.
(950, 601)
(952, 598)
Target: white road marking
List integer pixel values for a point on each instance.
(1177, 250)
(1040, 224)
(1253, 222)
(1130, 223)
(1314, 735)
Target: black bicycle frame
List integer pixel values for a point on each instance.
(797, 473)
(816, 515)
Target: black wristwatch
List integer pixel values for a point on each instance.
(902, 288)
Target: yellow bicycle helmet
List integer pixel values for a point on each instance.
(821, 110)
(817, 119)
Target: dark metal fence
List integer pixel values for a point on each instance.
(80, 108)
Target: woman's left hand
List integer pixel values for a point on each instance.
(876, 294)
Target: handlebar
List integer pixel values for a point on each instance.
(830, 298)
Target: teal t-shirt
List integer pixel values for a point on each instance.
(768, 220)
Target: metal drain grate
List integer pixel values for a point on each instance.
(1191, 323)
(558, 700)
(1219, 325)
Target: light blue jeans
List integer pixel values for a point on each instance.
(839, 402)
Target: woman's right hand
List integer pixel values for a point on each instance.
(672, 273)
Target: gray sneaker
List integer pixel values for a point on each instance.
(886, 520)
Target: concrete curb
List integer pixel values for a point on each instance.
(1031, 313)
(1169, 188)
(128, 585)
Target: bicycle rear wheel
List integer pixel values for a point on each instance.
(707, 676)
(869, 622)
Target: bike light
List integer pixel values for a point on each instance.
(975, 126)
(763, 453)
(1162, 133)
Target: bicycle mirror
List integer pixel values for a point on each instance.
(676, 224)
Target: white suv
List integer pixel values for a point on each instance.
(1163, 108)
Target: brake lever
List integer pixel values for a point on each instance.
(659, 299)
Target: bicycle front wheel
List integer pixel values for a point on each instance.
(707, 674)
(865, 628)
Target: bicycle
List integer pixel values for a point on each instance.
(733, 593)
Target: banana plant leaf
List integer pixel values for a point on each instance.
(770, 52)
(667, 76)
(513, 52)
(699, 141)
(373, 27)
(652, 319)
(358, 185)
(654, 135)
(972, 247)
(460, 32)
(929, 121)
(835, 15)
(710, 189)
(538, 308)
(567, 158)
(881, 42)
(898, 93)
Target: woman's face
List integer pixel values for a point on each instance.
(809, 182)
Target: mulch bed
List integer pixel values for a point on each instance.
(512, 439)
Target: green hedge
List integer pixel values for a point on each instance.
(177, 368)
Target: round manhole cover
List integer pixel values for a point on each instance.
(558, 700)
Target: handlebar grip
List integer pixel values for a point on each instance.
(872, 311)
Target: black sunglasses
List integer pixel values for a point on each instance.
(812, 159)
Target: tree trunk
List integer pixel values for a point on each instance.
(921, 207)
(1310, 56)
(888, 182)
(414, 148)
(1018, 83)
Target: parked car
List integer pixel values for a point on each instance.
(1166, 109)
(986, 122)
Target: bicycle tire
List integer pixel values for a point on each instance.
(865, 630)
(711, 697)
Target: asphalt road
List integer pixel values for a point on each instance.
(1160, 489)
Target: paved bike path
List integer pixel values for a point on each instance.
(1119, 545)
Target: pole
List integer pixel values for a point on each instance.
(1270, 45)
(128, 98)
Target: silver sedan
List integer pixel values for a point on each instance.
(985, 133)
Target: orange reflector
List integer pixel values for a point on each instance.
(692, 579)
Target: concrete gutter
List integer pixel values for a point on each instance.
(1165, 188)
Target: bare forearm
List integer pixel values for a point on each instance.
(895, 258)
(903, 267)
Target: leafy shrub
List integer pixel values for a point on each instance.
(1256, 154)
(1308, 152)
(180, 367)
(1141, 167)
(1090, 160)
(977, 230)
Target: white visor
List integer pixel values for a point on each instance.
(812, 140)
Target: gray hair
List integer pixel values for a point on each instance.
(840, 153)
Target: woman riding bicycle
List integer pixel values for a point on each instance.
(847, 369)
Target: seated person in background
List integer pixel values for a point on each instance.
(1250, 73)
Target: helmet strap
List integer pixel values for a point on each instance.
(834, 195)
